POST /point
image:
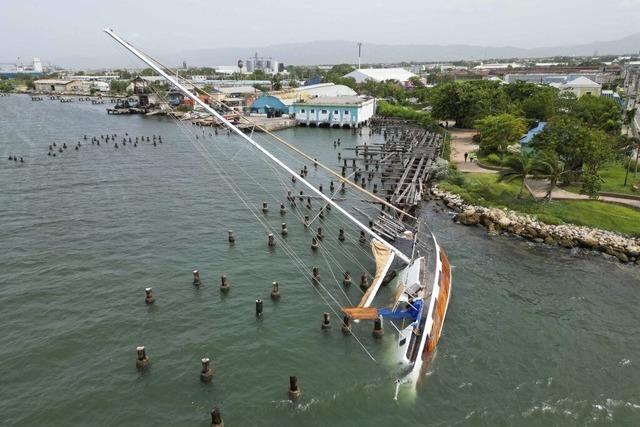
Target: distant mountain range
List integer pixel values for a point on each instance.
(341, 51)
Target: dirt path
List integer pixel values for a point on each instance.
(462, 142)
(538, 188)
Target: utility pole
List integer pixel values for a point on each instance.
(359, 53)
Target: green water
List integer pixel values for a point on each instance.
(534, 335)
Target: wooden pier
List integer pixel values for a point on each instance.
(402, 163)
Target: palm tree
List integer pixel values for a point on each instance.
(628, 145)
(550, 167)
(517, 168)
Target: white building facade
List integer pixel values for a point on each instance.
(340, 111)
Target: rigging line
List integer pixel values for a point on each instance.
(199, 146)
(282, 141)
(326, 225)
(297, 261)
(279, 175)
(212, 162)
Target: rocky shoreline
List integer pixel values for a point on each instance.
(625, 249)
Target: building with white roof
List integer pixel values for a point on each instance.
(381, 75)
(334, 111)
(582, 86)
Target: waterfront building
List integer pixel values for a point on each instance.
(381, 75)
(338, 111)
(280, 102)
(59, 86)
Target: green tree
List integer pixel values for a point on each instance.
(598, 112)
(518, 168)
(498, 132)
(6, 86)
(540, 105)
(628, 146)
(468, 101)
(597, 150)
(117, 87)
(416, 82)
(550, 167)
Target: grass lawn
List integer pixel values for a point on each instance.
(484, 190)
(613, 175)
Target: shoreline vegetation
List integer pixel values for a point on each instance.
(582, 154)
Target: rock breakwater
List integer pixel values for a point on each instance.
(625, 249)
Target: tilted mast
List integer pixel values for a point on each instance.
(250, 140)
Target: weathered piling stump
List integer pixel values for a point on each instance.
(294, 390)
(224, 284)
(341, 235)
(216, 418)
(148, 297)
(321, 214)
(271, 240)
(346, 281)
(265, 208)
(326, 321)
(301, 196)
(378, 332)
(375, 188)
(364, 281)
(284, 230)
(275, 290)
(293, 179)
(308, 203)
(346, 325)
(196, 278)
(283, 209)
(363, 237)
(258, 308)
(316, 273)
(331, 186)
(320, 188)
(319, 234)
(232, 238)
(142, 360)
(314, 243)
(206, 373)
(306, 221)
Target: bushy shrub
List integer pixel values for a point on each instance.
(440, 169)
(456, 178)
(494, 159)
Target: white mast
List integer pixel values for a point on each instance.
(198, 101)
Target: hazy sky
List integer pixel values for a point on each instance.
(57, 30)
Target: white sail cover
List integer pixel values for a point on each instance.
(383, 257)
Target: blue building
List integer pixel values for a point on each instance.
(525, 140)
(269, 105)
(336, 111)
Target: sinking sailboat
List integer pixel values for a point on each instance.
(414, 256)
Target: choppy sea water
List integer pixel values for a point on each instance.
(534, 335)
